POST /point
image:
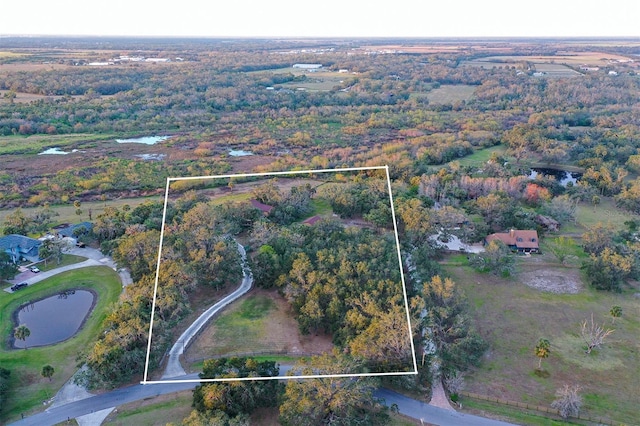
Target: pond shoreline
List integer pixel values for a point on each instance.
(16, 312)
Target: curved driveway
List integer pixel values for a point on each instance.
(174, 368)
(94, 258)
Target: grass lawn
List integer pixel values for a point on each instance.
(27, 388)
(481, 156)
(512, 316)
(67, 259)
(67, 212)
(511, 414)
(159, 410)
(237, 330)
(605, 212)
(258, 323)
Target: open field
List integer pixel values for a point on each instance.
(556, 70)
(512, 315)
(321, 80)
(35, 144)
(259, 322)
(67, 212)
(606, 212)
(569, 58)
(480, 156)
(27, 388)
(28, 97)
(451, 93)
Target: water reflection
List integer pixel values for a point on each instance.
(55, 318)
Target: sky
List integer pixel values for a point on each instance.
(323, 18)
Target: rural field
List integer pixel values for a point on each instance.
(259, 323)
(547, 300)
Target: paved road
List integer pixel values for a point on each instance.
(407, 406)
(174, 368)
(431, 414)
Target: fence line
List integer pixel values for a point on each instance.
(547, 410)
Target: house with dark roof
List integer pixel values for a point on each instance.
(68, 232)
(312, 220)
(525, 241)
(19, 246)
(266, 209)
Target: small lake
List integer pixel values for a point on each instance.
(55, 151)
(239, 153)
(147, 140)
(55, 318)
(562, 176)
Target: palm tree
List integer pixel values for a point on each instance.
(615, 312)
(543, 348)
(47, 371)
(21, 333)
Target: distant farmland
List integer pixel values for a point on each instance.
(448, 93)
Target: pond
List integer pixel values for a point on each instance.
(55, 151)
(147, 140)
(239, 153)
(55, 318)
(562, 176)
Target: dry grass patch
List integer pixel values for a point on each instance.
(512, 316)
(258, 323)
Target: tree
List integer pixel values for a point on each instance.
(21, 333)
(8, 269)
(47, 371)
(454, 382)
(331, 400)
(496, 258)
(615, 312)
(16, 223)
(608, 269)
(562, 247)
(593, 334)
(446, 321)
(41, 219)
(542, 350)
(236, 397)
(568, 401)
(598, 237)
(386, 342)
(4, 385)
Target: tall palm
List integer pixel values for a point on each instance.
(21, 333)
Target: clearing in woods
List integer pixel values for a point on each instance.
(259, 323)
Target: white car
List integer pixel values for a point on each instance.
(34, 269)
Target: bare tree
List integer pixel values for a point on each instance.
(567, 401)
(454, 382)
(593, 334)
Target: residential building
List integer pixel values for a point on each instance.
(19, 246)
(525, 241)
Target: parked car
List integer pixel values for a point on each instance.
(17, 287)
(34, 269)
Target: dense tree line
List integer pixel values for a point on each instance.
(4, 385)
(196, 252)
